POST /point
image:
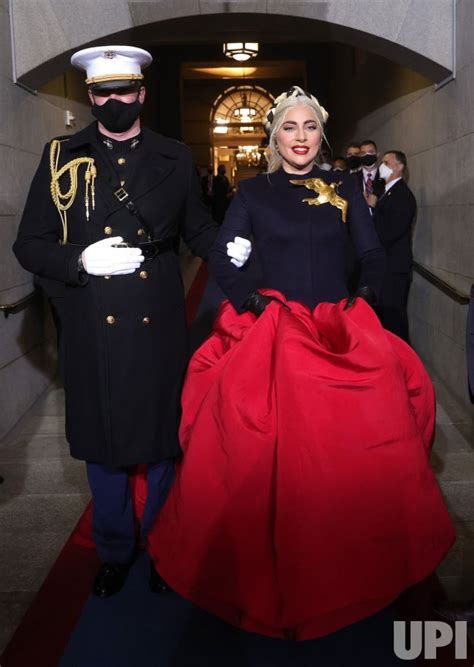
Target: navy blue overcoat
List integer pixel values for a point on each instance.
(302, 248)
(125, 336)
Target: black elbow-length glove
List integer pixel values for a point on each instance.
(366, 293)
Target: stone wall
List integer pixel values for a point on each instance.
(27, 121)
(435, 128)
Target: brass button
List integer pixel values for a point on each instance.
(141, 232)
(107, 277)
(108, 230)
(146, 320)
(110, 319)
(121, 160)
(143, 275)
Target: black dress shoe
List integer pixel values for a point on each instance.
(109, 579)
(157, 583)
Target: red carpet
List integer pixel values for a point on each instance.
(44, 631)
(194, 296)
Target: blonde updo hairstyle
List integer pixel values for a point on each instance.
(275, 118)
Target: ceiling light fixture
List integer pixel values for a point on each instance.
(240, 51)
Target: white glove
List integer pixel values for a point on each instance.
(239, 249)
(101, 259)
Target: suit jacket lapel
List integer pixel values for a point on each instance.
(384, 200)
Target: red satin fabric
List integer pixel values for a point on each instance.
(305, 500)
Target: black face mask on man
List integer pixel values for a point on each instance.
(117, 116)
(353, 161)
(368, 159)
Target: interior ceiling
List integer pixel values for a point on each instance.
(209, 28)
(253, 69)
(288, 32)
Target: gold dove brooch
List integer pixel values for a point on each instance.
(326, 194)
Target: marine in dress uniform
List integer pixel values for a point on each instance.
(103, 218)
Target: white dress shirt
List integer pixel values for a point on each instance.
(391, 184)
(366, 172)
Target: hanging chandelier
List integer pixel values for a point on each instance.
(248, 156)
(244, 112)
(240, 51)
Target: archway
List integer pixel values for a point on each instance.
(45, 32)
(236, 126)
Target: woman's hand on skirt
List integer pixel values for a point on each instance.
(257, 303)
(366, 293)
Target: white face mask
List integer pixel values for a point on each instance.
(385, 172)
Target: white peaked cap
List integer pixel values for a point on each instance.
(111, 63)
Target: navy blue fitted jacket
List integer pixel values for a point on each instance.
(302, 249)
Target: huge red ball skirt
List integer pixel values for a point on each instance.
(305, 500)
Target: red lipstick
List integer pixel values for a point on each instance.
(300, 150)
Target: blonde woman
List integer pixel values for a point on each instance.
(305, 501)
(302, 247)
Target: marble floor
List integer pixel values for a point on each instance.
(45, 491)
(453, 462)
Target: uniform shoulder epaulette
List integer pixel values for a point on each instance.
(63, 137)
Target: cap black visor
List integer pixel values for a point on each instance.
(120, 87)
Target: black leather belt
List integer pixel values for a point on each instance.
(151, 249)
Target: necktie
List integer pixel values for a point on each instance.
(369, 186)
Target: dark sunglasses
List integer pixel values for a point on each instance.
(107, 92)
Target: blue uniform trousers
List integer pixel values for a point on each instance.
(113, 521)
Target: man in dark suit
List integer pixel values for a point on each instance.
(207, 184)
(393, 218)
(103, 216)
(221, 194)
(352, 157)
(368, 177)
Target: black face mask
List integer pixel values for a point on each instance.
(353, 161)
(117, 116)
(368, 159)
